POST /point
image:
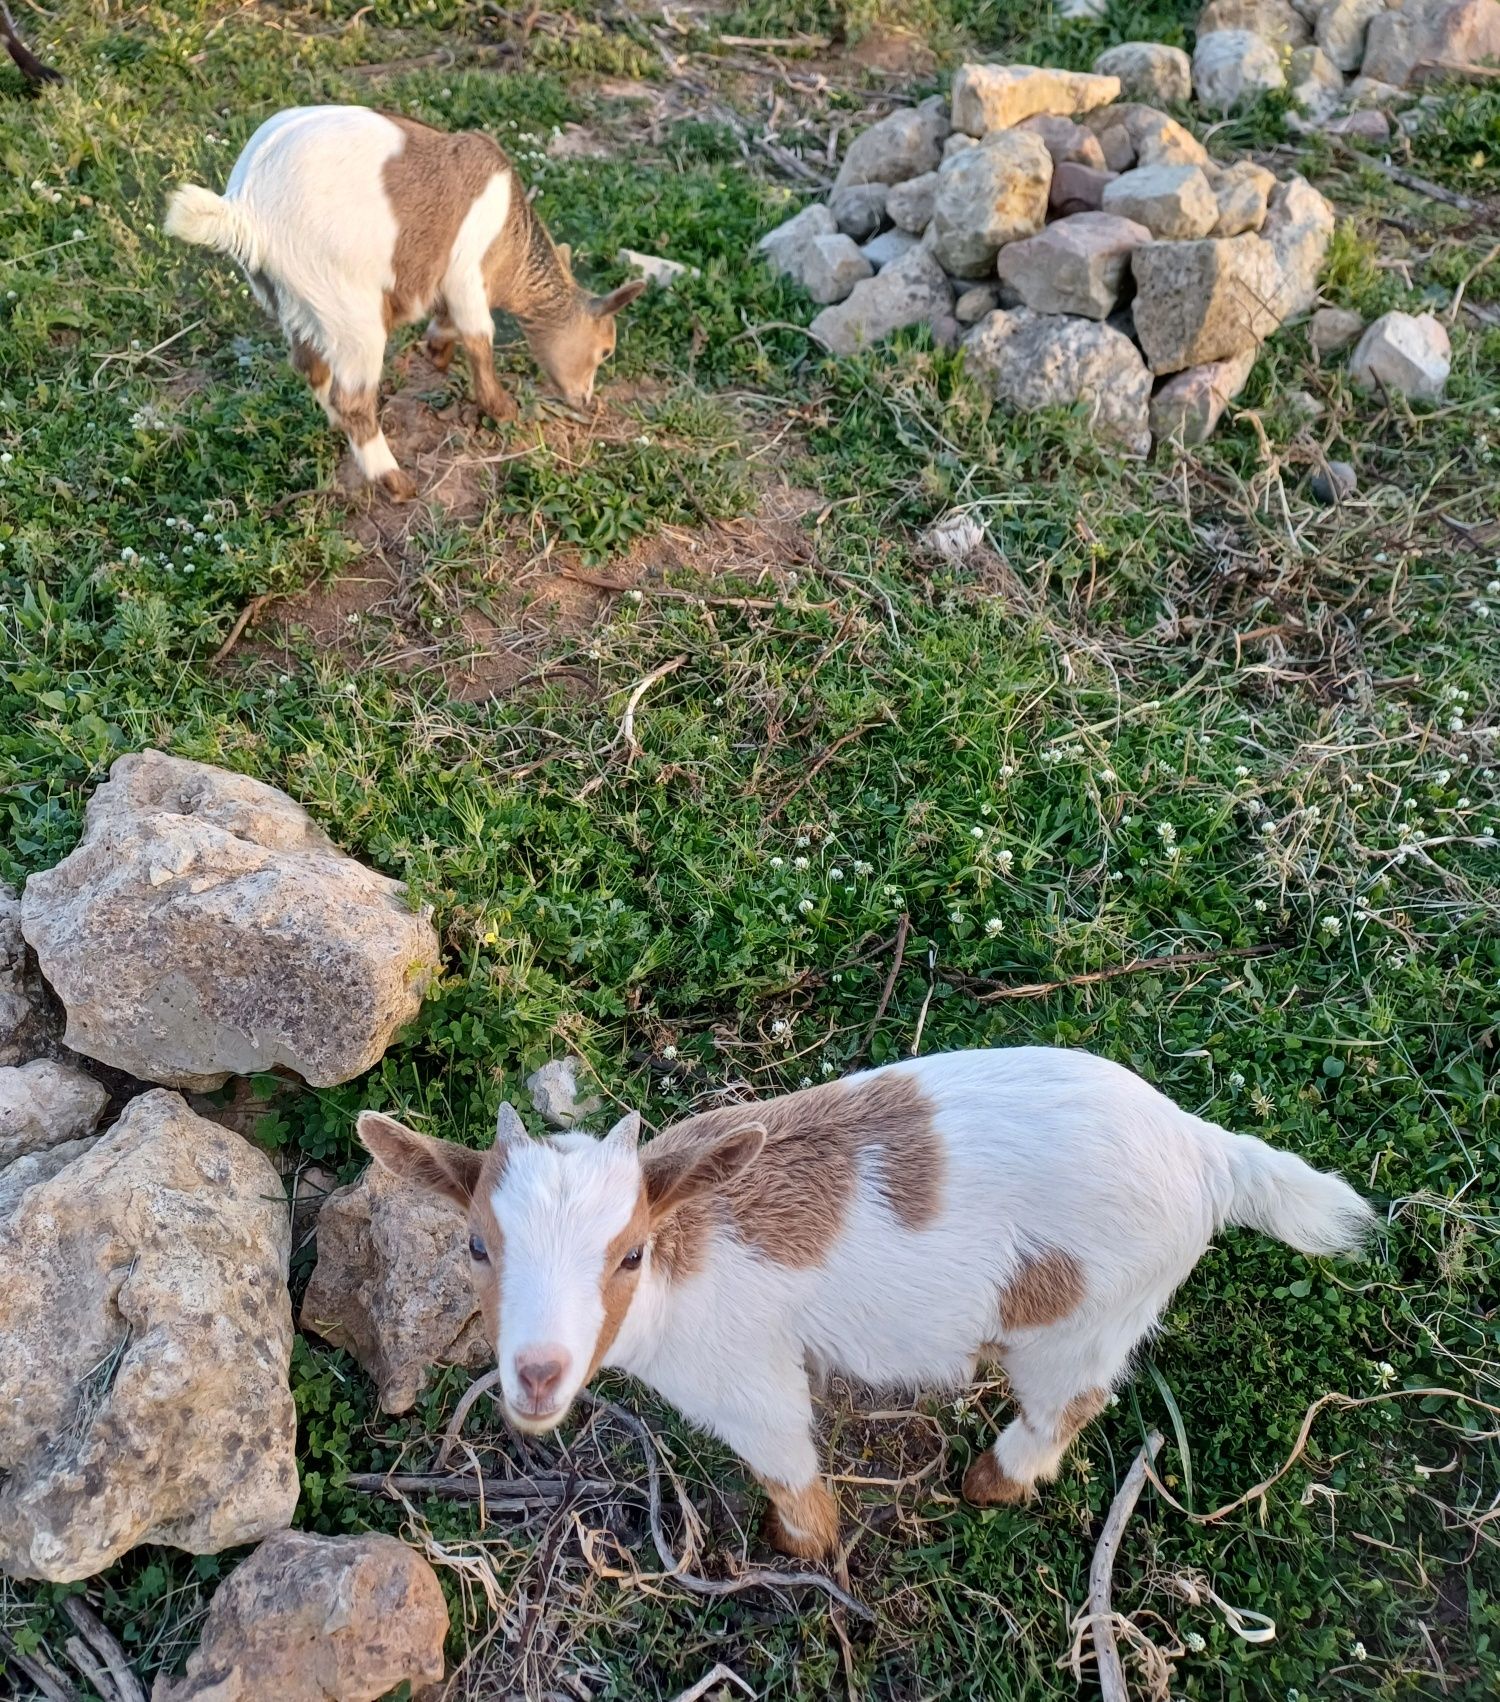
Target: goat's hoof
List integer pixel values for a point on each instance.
(398, 486)
(499, 407)
(985, 1485)
(441, 355)
(816, 1545)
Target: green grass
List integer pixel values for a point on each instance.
(1169, 710)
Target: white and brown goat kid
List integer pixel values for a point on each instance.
(350, 222)
(1034, 1205)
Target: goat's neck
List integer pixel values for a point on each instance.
(536, 287)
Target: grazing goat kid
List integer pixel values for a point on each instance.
(1034, 1205)
(349, 222)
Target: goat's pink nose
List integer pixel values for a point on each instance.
(540, 1372)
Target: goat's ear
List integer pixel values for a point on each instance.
(674, 1175)
(565, 254)
(606, 305)
(508, 1125)
(627, 1132)
(442, 1167)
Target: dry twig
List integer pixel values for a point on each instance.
(123, 1685)
(903, 928)
(1099, 1619)
(1136, 966)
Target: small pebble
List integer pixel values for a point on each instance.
(1335, 482)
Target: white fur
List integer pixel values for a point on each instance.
(306, 214)
(1043, 1149)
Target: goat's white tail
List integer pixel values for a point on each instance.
(197, 215)
(1278, 1194)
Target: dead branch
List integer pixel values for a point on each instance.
(828, 755)
(123, 1685)
(1136, 966)
(53, 1686)
(499, 1494)
(903, 928)
(242, 621)
(1099, 1621)
(642, 686)
(480, 1386)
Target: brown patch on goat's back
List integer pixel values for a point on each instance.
(431, 184)
(790, 1204)
(1081, 1410)
(1046, 1288)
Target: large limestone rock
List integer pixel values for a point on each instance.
(1404, 354)
(1315, 85)
(392, 1285)
(1341, 27)
(1333, 328)
(44, 1103)
(1077, 265)
(995, 97)
(1077, 189)
(887, 248)
(1276, 22)
(39, 1166)
(1232, 68)
(1198, 302)
(1173, 202)
(1148, 71)
(902, 145)
(1152, 137)
(913, 290)
(1298, 227)
(859, 209)
(148, 1333)
(832, 266)
(1188, 408)
(987, 197)
(205, 927)
(26, 1026)
(1033, 360)
(1463, 32)
(557, 1095)
(1067, 141)
(785, 247)
(1243, 193)
(318, 1619)
(910, 204)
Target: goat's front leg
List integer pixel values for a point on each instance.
(767, 1419)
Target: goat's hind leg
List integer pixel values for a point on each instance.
(312, 366)
(1060, 1380)
(355, 398)
(441, 340)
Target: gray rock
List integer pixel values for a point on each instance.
(1303, 405)
(1299, 227)
(910, 203)
(1173, 202)
(785, 248)
(1149, 71)
(974, 304)
(1188, 407)
(1315, 83)
(996, 97)
(1067, 141)
(1243, 192)
(1155, 139)
(1341, 27)
(1276, 22)
(904, 144)
(832, 266)
(1199, 302)
(392, 1285)
(910, 291)
(237, 937)
(1078, 189)
(881, 251)
(1077, 265)
(42, 1166)
(555, 1094)
(148, 1335)
(43, 1103)
(1034, 360)
(958, 143)
(318, 1619)
(1333, 328)
(987, 197)
(1460, 32)
(1116, 146)
(1365, 125)
(655, 268)
(859, 209)
(1403, 354)
(1335, 482)
(1233, 68)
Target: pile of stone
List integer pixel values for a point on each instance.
(1086, 249)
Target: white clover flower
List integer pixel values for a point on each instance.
(776, 862)
(993, 926)
(1357, 1652)
(956, 917)
(1194, 1643)
(802, 841)
(1385, 1373)
(1260, 905)
(835, 875)
(1166, 832)
(780, 1027)
(669, 1053)
(1126, 820)
(1331, 926)
(1004, 859)
(1442, 777)
(635, 596)
(1108, 776)
(799, 862)
(1241, 772)
(984, 809)
(827, 1067)
(804, 905)
(976, 833)
(1237, 1080)
(1356, 788)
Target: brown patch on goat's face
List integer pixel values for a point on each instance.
(487, 1275)
(1080, 1411)
(790, 1204)
(985, 1485)
(1047, 1288)
(431, 185)
(617, 1285)
(802, 1522)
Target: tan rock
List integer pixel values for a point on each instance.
(1276, 22)
(1173, 202)
(392, 1285)
(148, 1334)
(1076, 265)
(1198, 302)
(318, 1619)
(1148, 71)
(1078, 189)
(1333, 328)
(1243, 192)
(43, 1103)
(904, 144)
(910, 204)
(205, 927)
(1067, 141)
(991, 195)
(1341, 27)
(1299, 226)
(1187, 408)
(995, 97)
(1234, 68)
(1463, 32)
(27, 1027)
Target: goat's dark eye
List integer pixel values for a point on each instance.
(478, 1252)
(632, 1260)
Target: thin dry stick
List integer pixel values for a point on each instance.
(128, 1688)
(42, 1674)
(1136, 966)
(903, 928)
(1101, 1614)
(821, 763)
(242, 620)
(627, 721)
(720, 1675)
(480, 1385)
(755, 1577)
(505, 1494)
(1333, 1398)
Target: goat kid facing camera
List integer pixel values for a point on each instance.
(349, 222)
(1032, 1205)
